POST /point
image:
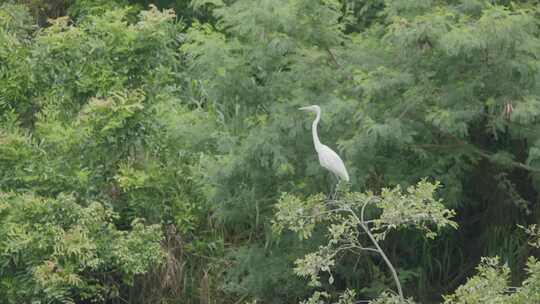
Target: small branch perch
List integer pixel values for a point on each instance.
(378, 248)
(385, 258)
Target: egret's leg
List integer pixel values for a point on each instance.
(336, 188)
(334, 193)
(330, 191)
(331, 188)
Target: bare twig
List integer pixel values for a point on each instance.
(333, 57)
(376, 244)
(385, 258)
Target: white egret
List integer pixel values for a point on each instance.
(328, 159)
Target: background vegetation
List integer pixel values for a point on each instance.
(145, 144)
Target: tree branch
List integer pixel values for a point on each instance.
(474, 149)
(379, 249)
(333, 57)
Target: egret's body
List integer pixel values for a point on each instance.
(328, 159)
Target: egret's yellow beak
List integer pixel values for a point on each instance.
(305, 108)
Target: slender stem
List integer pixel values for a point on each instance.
(362, 212)
(354, 247)
(363, 208)
(334, 60)
(385, 258)
(379, 249)
(367, 249)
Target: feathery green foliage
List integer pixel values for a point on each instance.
(58, 251)
(183, 114)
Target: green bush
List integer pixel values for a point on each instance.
(188, 120)
(62, 251)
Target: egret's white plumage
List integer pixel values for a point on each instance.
(327, 157)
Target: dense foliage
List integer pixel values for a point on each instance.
(150, 149)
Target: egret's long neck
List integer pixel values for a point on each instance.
(316, 140)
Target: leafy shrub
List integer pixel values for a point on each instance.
(59, 251)
(348, 227)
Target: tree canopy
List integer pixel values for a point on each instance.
(151, 151)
